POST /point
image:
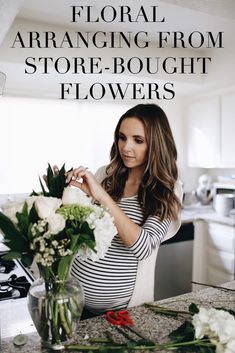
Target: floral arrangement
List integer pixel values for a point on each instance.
(56, 225)
(52, 227)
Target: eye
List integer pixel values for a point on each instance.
(121, 137)
(139, 141)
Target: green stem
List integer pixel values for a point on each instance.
(160, 347)
(74, 308)
(166, 311)
(44, 327)
(80, 348)
(64, 323)
(197, 342)
(77, 347)
(54, 321)
(68, 316)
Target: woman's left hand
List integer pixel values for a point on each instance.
(82, 178)
(86, 181)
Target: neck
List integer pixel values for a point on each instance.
(135, 175)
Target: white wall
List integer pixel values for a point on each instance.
(35, 132)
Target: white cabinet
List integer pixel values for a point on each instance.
(203, 133)
(214, 253)
(228, 130)
(211, 126)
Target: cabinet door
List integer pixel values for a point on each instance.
(214, 253)
(204, 133)
(220, 253)
(227, 130)
(199, 253)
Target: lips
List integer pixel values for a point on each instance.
(127, 157)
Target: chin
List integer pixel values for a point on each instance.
(131, 165)
(127, 163)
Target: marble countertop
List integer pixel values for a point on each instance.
(154, 326)
(205, 213)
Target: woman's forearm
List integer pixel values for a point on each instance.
(127, 229)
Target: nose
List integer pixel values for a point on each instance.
(127, 146)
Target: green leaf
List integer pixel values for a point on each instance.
(7, 226)
(30, 235)
(14, 239)
(74, 242)
(23, 220)
(45, 272)
(145, 342)
(64, 266)
(87, 230)
(56, 182)
(33, 215)
(11, 255)
(20, 340)
(45, 193)
(34, 193)
(183, 333)
(206, 349)
(49, 176)
(193, 309)
(86, 239)
(27, 259)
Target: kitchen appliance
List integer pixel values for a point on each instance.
(204, 189)
(223, 198)
(190, 199)
(224, 203)
(223, 188)
(15, 281)
(173, 271)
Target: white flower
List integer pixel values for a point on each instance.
(11, 208)
(219, 346)
(200, 322)
(54, 243)
(230, 346)
(46, 206)
(30, 200)
(218, 325)
(75, 196)
(104, 230)
(56, 223)
(39, 227)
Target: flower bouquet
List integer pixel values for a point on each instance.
(50, 228)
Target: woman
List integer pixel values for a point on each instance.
(141, 191)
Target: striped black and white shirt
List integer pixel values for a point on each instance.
(109, 282)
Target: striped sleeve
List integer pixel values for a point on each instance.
(152, 234)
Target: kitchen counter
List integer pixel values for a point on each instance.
(154, 326)
(205, 213)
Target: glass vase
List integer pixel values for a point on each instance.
(55, 309)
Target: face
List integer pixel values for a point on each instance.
(132, 143)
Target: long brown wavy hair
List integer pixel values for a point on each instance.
(156, 191)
